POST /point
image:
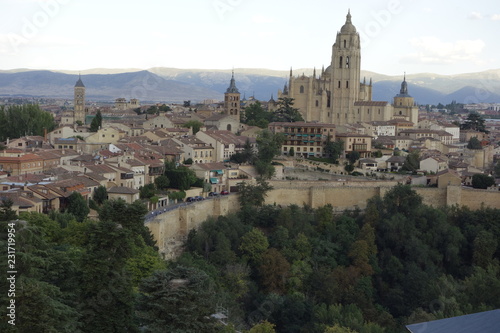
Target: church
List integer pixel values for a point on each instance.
(337, 95)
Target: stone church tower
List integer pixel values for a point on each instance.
(404, 105)
(337, 95)
(79, 101)
(232, 100)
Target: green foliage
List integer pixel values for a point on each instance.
(255, 115)
(147, 191)
(285, 111)
(181, 178)
(195, 125)
(77, 206)
(27, 119)
(253, 195)
(474, 122)
(482, 181)
(412, 162)
(269, 146)
(263, 327)
(6, 212)
(179, 195)
(246, 156)
(253, 244)
(96, 123)
(100, 195)
(162, 182)
(333, 149)
(353, 156)
(474, 143)
(177, 300)
(189, 161)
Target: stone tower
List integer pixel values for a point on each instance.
(79, 101)
(345, 73)
(232, 100)
(404, 104)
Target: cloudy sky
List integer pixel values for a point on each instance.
(444, 37)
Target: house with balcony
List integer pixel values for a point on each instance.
(361, 143)
(303, 139)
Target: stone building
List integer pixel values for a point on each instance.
(337, 95)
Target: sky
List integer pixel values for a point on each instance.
(412, 36)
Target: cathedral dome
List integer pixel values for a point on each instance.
(348, 27)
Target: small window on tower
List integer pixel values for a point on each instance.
(346, 62)
(340, 62)
(317, 103)
(345, 43)
(301, 89)
(339, 84)
(347, 84)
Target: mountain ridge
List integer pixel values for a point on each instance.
(167, 84)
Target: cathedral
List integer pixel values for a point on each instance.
(337, 95)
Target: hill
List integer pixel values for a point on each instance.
(176, 85)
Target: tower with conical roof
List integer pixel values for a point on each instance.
(404, 105)
(232, 100)
(79, 101)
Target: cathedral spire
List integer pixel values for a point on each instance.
(404, 86)
(291, 72)
(232, 85)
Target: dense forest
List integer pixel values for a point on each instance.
(265, 269)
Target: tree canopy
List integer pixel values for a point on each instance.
(27, 119)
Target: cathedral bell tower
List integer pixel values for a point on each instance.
(79, 101)
(232, 100)
(404, 104)
(345, 73)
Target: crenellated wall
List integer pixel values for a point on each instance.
(171, 228)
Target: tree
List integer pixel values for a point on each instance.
(291, 152)
(162, 182)
(474, 143)
(474, 122)
(100, 195)
(253, 195)
(263, 327)
(333, 150)
(177, 300)
(482, 181)
(412, 162)
(253, 244)
(255, 115)
(27, 119)
(286, 112)
(6, 212)
(353, 156)
(77, 205)
(181, 178)
(269, 146)
(195, 125)
(106, 287)
(96, 123)
(273, 271)
(147, 191)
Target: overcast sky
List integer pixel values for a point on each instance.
(444, 37)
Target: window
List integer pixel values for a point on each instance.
(345, 43)
(317, 103)
(347, 84)
(301, 89)
(340, 62)
(346, 62)
(339, 84)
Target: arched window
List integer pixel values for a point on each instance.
(347, 84)
(340, 62)
(339, 84)
(345, 43)
(228, 127)
(346, 62)
(301, 89)
(400, 113)
(317, 103)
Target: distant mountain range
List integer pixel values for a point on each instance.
(162, 84)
